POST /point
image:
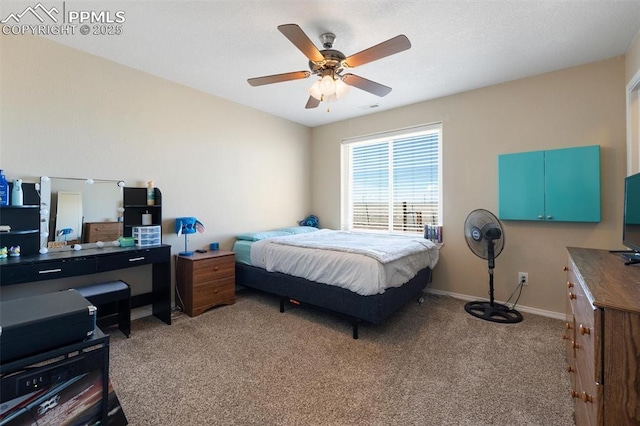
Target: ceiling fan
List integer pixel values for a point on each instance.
(329, 65)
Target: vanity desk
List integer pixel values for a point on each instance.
(71, 263)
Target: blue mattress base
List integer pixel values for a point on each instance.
(373, 309)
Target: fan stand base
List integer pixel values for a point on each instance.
(495, 312)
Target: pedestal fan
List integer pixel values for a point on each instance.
(485, 237)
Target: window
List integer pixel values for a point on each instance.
(391, 182)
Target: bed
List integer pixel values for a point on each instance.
(334, 271)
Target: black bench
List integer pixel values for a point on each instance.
(113, 300)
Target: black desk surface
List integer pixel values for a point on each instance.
(70, 263)
(74, 254)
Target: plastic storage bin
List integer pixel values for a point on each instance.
(147, 235)
(127, 241)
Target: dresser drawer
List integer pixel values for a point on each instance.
(584, 320)
(206, 270)
(213, 293)
(585, 377)
(586, 402)
(569, 337)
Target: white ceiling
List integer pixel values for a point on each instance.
(214, 46)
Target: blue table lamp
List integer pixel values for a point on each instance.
(186, 226)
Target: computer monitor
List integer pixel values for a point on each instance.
(631, 226)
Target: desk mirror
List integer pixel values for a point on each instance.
(77, 211)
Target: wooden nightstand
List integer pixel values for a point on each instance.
(205, 280)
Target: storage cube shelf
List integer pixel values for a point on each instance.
(135, 205)
(147, 235)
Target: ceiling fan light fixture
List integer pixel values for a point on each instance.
(341, 88)
(331, 98)
(314, 90)
(327, 85)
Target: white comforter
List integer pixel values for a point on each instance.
(364, 263)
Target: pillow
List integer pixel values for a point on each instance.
(257, 236)
(298, 229)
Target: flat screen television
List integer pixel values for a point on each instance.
(631, 226)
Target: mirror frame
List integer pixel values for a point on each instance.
(46, 207)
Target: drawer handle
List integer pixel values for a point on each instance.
(50, 271)
(215, 291)
(569, 284)
(586, 397)
(572, 296)
(136, 259)
(574, 394)
(575, 345)
(584, 330)
(564, 268)
(216, 268)
(568, 325)
(565, 337)
(570, 369)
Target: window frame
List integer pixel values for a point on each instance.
(388, 137)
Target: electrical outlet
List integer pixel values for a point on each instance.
(523, 277)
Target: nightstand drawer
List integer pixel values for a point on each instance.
(212, 269)
(214, 293)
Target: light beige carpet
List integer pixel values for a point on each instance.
(429, 364)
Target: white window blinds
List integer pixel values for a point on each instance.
(391, 182)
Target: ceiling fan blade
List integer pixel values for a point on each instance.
(379, 51)
(312, 103)
(296, 36)
(277, 78)
(366, 85)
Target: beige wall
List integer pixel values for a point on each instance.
(632, 59)
(579, 106)
(67, 113)
(632, 79)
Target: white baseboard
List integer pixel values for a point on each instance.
(146, 310)
(535, 311)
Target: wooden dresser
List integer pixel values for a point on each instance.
(102, 231)
(205, 280)
(603, 337)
